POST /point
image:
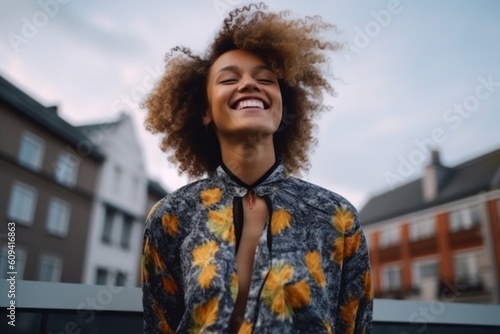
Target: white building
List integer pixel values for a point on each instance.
(118, 212)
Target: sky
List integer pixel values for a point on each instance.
(414, 74)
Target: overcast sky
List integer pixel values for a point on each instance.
(417, 72)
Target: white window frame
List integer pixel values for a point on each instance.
(390, 236)
(422, 229)
(20, 262)
(416, 270)
(472, 263)
(387, 285)
(51, 260)
(58, 225)
(462, 219)
(33, 162)
(66, 169)
(23, 215)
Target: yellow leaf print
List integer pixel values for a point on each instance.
(281, 297)
(170, 223)
(352, 244)
(367, 283)
(207, 275)
(245, 328)
(150, 254)
(281, 220)
(221, 224)
(234, 286)
(343, 220)
(313, 263)
(169, 285)
(205, 315)
(202, 257)
(163, 324)
(328, 327)
(278, 304)
(210, 196)
(338, 250)
(344, 248)
(348, 313)
(298, 294)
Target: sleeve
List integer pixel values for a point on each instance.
(355, 303)
(162, 289)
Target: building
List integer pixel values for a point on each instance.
(119, 209)
(78, 195)
(438, 237)
(48, 173)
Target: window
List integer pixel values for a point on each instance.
(126, 231)
(389, 237)
(66, 169)
(467, 268)
(101, 277)
(107, 230)
(58, 217)
(22, 203)
(391, 278)
(117, 178)
(20, 262)
(465, 218)
(423, 270)
(422, 229)
(31, 151)
(49, 268)
(120, 279)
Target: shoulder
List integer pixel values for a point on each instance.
(178, 204)
(318, 196)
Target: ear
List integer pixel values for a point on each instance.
(207, 118)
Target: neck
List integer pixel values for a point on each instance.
(248, 160)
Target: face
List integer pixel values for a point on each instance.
(244, 96)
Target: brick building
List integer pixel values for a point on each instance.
(438, 237)
(48, 174)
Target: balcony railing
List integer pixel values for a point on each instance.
(42, 307)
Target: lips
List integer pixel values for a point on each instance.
(249, 102)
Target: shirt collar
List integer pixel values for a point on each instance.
(262, 186)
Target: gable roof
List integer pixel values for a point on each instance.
(45, 116)
(466, 179)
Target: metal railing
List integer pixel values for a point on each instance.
(43, 307)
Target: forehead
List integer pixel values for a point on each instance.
(240, 59)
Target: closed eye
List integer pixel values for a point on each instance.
(267, 81)
(228, 81)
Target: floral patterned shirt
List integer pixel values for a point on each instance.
(311, 269)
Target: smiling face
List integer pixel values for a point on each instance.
(244, 96)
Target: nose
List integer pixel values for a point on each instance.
(248, 83)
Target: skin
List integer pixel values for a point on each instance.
(246, 142)
(245, 136)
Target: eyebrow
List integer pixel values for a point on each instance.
(233, 68)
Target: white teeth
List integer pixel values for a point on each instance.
(250, 104)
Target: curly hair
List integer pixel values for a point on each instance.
(295, 51)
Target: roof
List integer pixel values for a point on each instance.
(155, 188)
(45, 116)
(466, 179)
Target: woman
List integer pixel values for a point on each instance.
(250, 248)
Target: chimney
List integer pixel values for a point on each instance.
(434, 176)
(52, 109)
